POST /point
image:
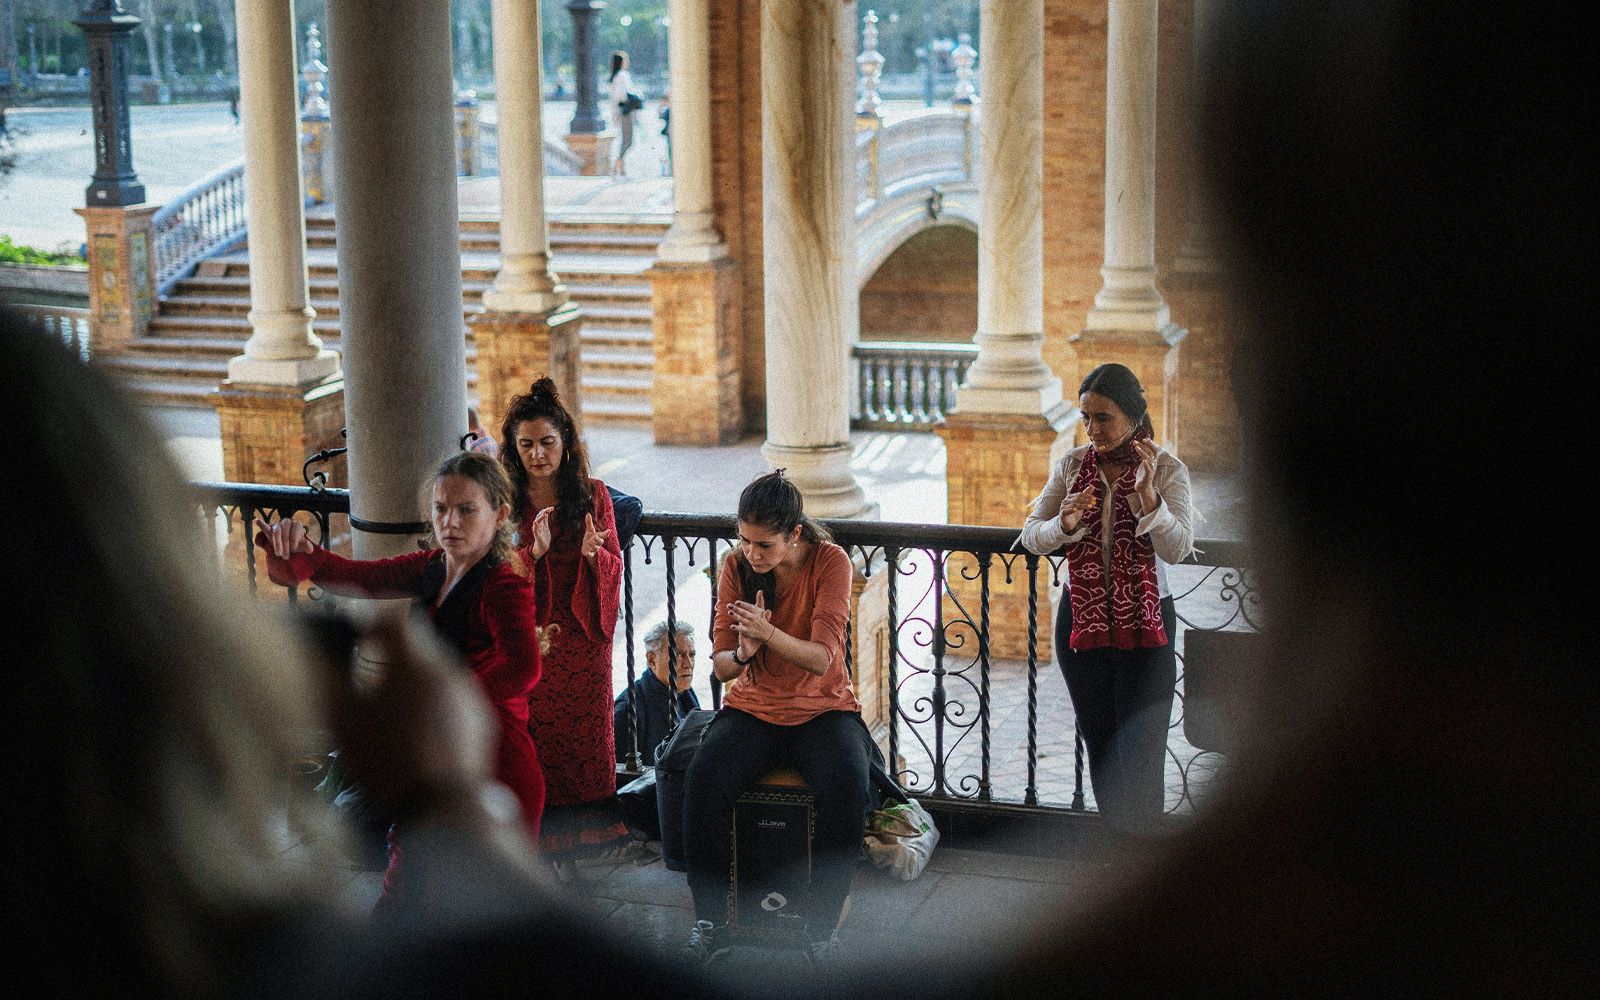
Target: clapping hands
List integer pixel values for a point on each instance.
(539, 543)
(593, 540)
(753, 623)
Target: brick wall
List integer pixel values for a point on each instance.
(925, 290)
(1074, 172)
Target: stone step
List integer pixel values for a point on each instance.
(618, 384)
(638, 338)
(601, 361)
(610, 412)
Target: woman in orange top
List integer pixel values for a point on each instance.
(778, 642)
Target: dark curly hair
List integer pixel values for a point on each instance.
(574, 489)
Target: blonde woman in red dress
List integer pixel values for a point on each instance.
(566, 532)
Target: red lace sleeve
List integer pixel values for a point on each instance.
(595, 597)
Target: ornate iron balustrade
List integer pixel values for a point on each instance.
(70, 324)
(907, 386)
(959, 723)
(206, 219)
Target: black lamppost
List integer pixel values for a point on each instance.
(199, 49)
(587, 117)
(106, 27)
(166, 52)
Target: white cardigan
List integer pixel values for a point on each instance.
(1170, 526)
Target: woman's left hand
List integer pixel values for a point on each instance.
(1144, 477)
(593, 540)
(752, 621)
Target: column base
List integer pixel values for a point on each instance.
(823, 476)
(1210, 414)
(516, 348)
(996, 464)
(268, 431)
(595, 149)
(695, 388)
(1153, 357)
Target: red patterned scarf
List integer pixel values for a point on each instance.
(1123, 612)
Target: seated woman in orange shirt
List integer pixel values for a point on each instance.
(778, 642)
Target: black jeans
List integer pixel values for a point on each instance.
(831, 755)
(1123, 700)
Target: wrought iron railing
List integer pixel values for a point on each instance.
(959, 723)
(907, 386)
(70, 324)
(206, 219)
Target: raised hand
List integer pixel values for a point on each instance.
(593, 541)
(1144, 476)
(286, 537)
(1074, 506)
(753, 623)
(539, 544)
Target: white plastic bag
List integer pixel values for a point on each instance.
(900, 837)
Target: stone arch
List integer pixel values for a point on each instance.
(926, 289)
(888, 224)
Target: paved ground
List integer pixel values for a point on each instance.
(962, 905)
(176, 145)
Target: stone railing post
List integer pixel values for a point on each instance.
(964, 55)
(467, 132)
(121, 269)
(316, 135)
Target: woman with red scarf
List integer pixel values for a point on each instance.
(1120, 506)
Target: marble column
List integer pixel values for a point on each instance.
(528, 327)
(399, 260)
(1010, 421)
(1130, 322)
(694, 287)
(283, 398)
(808, 224)
(1199, 287)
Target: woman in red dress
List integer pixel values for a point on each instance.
(566, 531)
(475, 588)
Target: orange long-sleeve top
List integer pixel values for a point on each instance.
(816, 607)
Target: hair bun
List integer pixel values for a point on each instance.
(544, 387)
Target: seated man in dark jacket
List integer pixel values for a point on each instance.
(648, 694)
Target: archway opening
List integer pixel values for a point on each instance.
(927, 290)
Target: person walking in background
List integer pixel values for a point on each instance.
(665, 112)
(625, 106)
(233, 105)
(655, 711)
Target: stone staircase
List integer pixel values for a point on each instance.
(202, 321)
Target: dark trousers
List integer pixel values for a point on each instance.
(1123, 700)
(831, 755)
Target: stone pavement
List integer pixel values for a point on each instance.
(962, 906)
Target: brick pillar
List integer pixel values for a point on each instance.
(594, 149)
(516, 348)
(695, 388)
(122, 278)
(268, 432)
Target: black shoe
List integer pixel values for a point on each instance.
(707, 942)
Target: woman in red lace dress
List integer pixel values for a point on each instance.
(567, 534)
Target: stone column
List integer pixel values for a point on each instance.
(283, 398)
(588, 135)
(694, 287)
(808, 222)
(1199, 287)
(528, 327)
(399, 260)
(316, 132)
(1130, 322)
(1010, 421)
